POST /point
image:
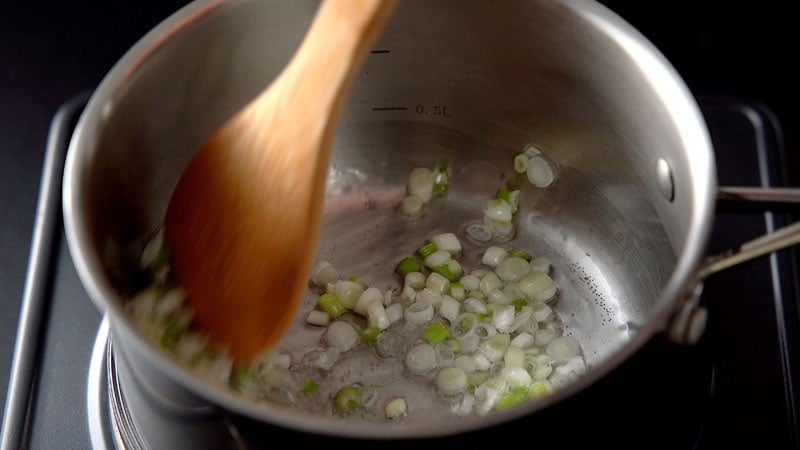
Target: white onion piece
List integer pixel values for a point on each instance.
(348, 292)
(457, 328)
(522, 340)
(421, 359)
(542, 313)
(466, 363)
(318, 318)
(449, 308)
(322, 359)
(437, 258)
(419, 312)
(563, 347)
(408, 294)
(394, 312)
(458, 292)
(499, 297)
(490, 282)
(485, 330)
(470, 282)
(501, 230)
(415, 280)
(540, 264)
(396, 408)
(503, 318)
(540, 172)
(411, 206)
(498, 209)
(468, 342)
(521, 163)
(494, 255)
(370, 295)
(452, 380)
(475, 305)
(437, 283)
(430, 296)
(494, 348)
(536, 284)
(515, 376)
(514, 357)
(464, 407)
(482, 362)
(324, 273)
(543, 337)
(420, 183)
(512, 268)
(341, 335)
(377, 316)
(454, 266)
(448, 242)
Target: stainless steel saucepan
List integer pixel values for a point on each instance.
(625, 224)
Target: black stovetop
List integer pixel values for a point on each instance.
(733, 390)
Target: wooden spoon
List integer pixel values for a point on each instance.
(243, 221)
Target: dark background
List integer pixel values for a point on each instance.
(51, 51)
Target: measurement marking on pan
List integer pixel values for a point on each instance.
(380, 51)
(390, 108)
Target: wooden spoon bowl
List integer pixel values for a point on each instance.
(243, 221)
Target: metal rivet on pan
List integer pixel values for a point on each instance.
(664, 178)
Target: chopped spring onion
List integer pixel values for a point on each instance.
(310, 387)
(466, 363)
(563, 347)
(331, 305)
(348, 292)
(540, 264)
(513, 398)
(490, 282)
(426, 250)
(448, 242)
(503, 318)
(419, 312)
(369, 335)
(457, 291)
(470, 282)
(538, 389)
(377, 316)
(519, 304)
(445, 271)
(324, 273)
(437, 259)
(512, 268)
(494, 348)
(421, 359)
(430, 296)
(341, 335)
(522, 340)
(420, 183)
(440, 182)
(408, 265)
(494, 255)
(370, 295)
(396, 408)
(347, 399)
(521, 163)
(499, 210)
(394, 312)
(540, 172)
(438, 283)
(318, 317)
(449, 308)
(452, 380)
(520, 253)
(416, 279)
(411, 206)
(436, 333)
(475, 305)
(537, 285)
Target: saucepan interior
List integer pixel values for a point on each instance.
(472, 84)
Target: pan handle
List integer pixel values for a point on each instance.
(689, 320)
(770, 242)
